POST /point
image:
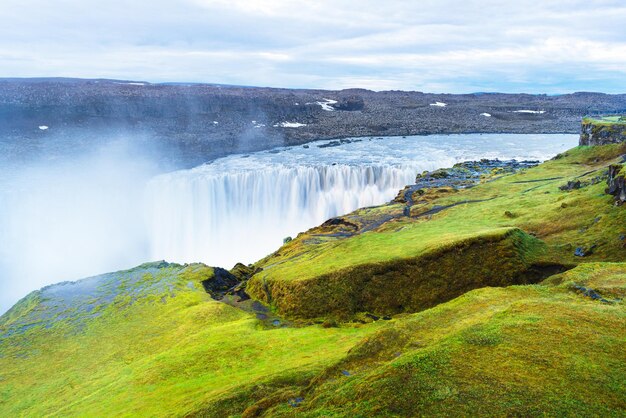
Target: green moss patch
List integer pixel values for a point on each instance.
(519, 351)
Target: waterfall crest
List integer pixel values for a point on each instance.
(242, 216)
(239, 208)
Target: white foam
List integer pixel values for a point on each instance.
(488, 115)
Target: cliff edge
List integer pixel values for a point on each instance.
(603, 130)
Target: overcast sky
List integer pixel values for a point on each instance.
(550, 46)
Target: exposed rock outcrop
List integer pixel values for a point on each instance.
(603, 131)
(616, 184)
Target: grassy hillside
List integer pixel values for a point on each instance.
(503, 299)
(606, 120)
(167, 351)
(516, 351)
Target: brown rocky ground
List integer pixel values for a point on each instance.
(182, 117)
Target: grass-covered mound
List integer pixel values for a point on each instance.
(518, 351)
(156, 344)
(436, 273)
(453, 242)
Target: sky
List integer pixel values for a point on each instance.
(455, 46)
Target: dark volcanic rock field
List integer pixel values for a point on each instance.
(199, 122)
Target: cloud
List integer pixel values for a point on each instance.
(450, 45)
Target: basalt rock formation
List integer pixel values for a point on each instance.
(603, 130)
(616, 183)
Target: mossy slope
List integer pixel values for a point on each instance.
(498, 257)
(156, 345)
(518, 351)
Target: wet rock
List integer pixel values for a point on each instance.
(571, 185)
(330, 144)
(295, 402)
(221, 281)
(584, 251)
(339, 222)
(590, 293)
(616, 184)
(374, 317)
(469, 173)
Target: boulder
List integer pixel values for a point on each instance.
(616, 184)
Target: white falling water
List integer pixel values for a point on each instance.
(240, 208)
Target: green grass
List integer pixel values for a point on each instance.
(152, 358)
(518, 351)
(606, 120)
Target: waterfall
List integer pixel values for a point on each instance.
(225, 217)
(240, 208)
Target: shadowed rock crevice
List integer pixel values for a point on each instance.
(219, 283)
(616, 184)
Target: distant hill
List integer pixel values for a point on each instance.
(198, 122)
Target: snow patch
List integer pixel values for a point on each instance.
(289, 125)
(538, 112)
(326, 104)
(488, 115)
(44, 127)
(439, 104)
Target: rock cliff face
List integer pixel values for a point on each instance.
(617, 184)
(602, 131)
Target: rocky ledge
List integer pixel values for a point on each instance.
(603, 130)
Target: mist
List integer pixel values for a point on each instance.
(72, 217)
